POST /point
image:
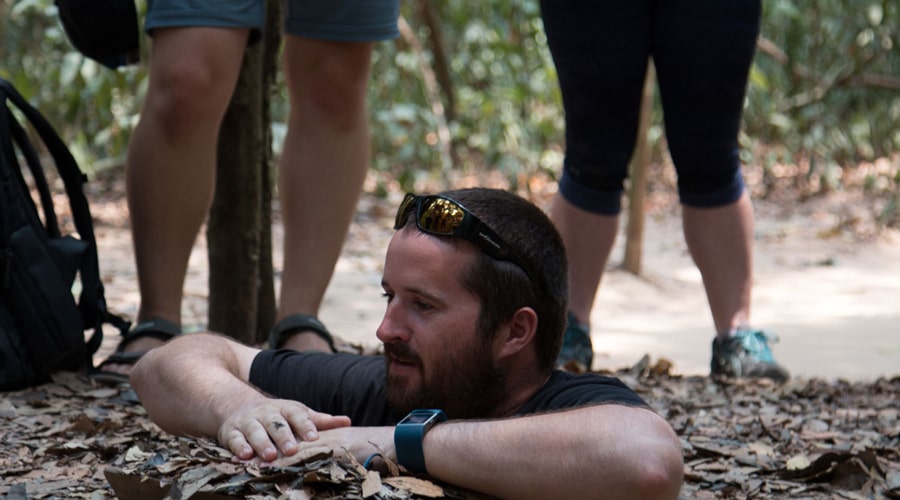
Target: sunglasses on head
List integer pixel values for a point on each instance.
(443, 216)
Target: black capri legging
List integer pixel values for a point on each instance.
(702, 51)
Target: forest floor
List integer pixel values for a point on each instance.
(827, 282)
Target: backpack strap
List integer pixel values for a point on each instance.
(6, 188)
(92, 303)
(51, 223)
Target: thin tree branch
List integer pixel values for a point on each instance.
(845, 77)
(431, 18)
(433, 96)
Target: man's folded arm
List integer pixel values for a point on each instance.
(602, 451)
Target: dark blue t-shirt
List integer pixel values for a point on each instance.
(354, 385)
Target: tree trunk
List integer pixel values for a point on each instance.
(430, 14)
(266, 306)
(241, 291)
(634, 239)
(429, 80)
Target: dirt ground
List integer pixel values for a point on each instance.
(827, 283)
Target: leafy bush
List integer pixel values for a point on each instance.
(825, 88)
(93, 108)
(507, 106)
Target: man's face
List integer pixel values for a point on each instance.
(436, 357)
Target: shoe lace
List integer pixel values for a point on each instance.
(756, 344)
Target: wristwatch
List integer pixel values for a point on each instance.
(408, 436)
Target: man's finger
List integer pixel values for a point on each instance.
(259, 439)
(235, 441)
(325, 421)
(282, 435)
(302, 424)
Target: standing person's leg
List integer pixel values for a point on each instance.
(323, 166)
(589, 239)
(170, 167)
(171, 158)
(602, 107)
(326, 155)
(720, 240)
(703, 54)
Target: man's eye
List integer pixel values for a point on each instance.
(388, 296)
(423, 306)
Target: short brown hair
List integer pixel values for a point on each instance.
(504, 287)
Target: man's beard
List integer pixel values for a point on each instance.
(467, 384)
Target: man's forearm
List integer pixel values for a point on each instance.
(607, 451)
(191, 384)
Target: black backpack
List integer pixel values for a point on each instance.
(42, 326)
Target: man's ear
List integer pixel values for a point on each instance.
(519, 333)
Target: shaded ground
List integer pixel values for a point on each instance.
(806, 439)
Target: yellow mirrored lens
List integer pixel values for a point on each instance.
(441, 216)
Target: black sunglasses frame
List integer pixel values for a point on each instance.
(470, 228)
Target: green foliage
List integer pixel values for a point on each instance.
(93, 108)
(827, 88)
(824, 91)
(508, 107)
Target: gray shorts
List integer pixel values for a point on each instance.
(340, 20)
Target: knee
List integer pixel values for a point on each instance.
(332, 89)
(183, 97)
(594, 183)
(709, 187)
(334, 100)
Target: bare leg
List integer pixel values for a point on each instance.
(323, 167)
(171, 160)
(721, 243)
(589, 240)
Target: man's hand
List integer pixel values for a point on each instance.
(360, 442)
(268, 428)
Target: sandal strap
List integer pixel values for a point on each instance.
(295, 323)
(156, 328)
(122, 358)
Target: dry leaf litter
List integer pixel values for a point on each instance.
(804, 439)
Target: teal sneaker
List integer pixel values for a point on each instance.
(577, 353)
(746, 354)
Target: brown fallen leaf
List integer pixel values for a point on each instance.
(372, 484)
(415, 486)
(853, 469)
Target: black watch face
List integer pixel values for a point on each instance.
(417, 418)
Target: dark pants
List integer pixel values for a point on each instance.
(702, 51)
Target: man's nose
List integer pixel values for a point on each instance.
(392, 327)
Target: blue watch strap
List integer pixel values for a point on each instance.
(408, 436)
